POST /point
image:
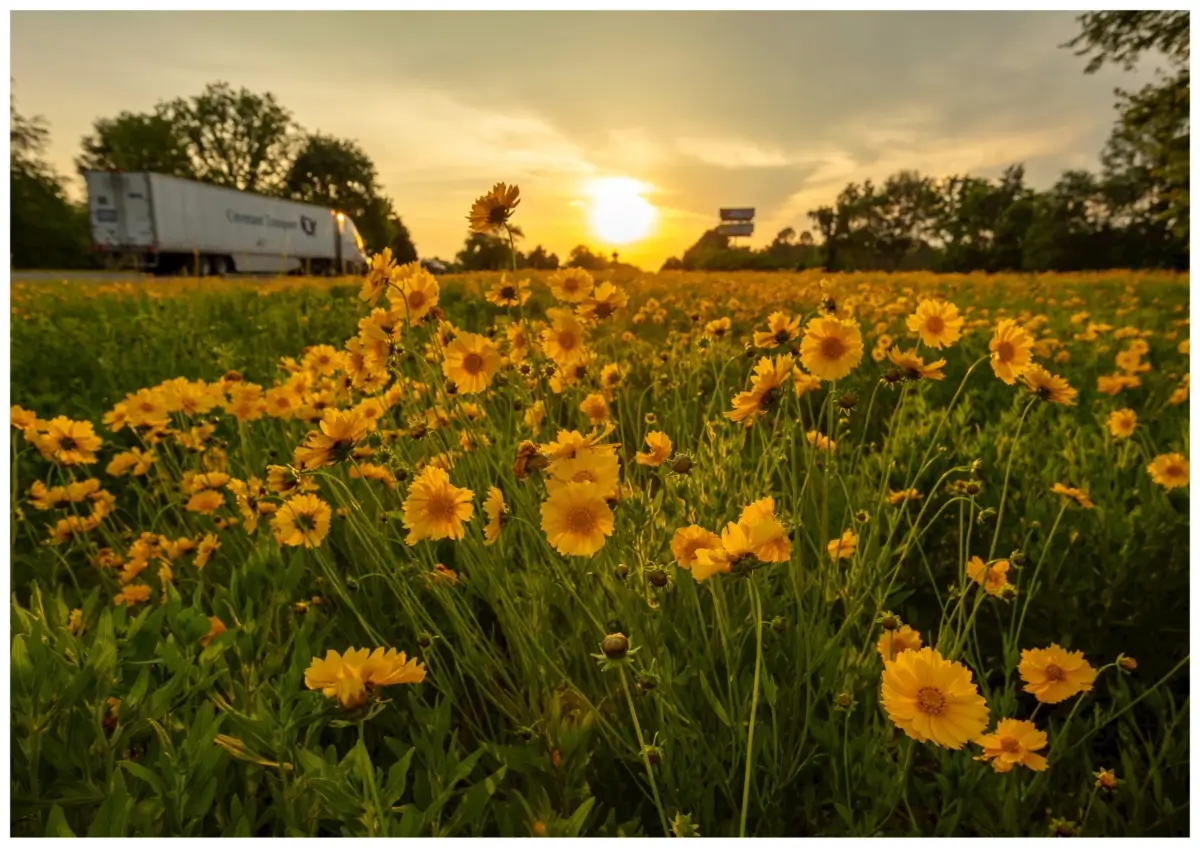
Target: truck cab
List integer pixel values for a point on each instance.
(351, 247)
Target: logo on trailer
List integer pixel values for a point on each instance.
(308, 225)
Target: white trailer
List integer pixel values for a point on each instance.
(170, 225)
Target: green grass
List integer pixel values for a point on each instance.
(729, 709)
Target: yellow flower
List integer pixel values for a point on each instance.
(768, 539)
(831, 347)
(576, 519)
(571, 285)
(282, 481)
(282, 401)
(1047, 386)
(1114, 384)
(717, 328)
(435, 508)
(592, 466)
(204, 551)
(507, 294)
(1052, 675)
(894, 642)
(769, 377)
(205, 501)
(1013, 743)
(534, 416)
(993, 578)
(22, 418)
(1121, 423)
(134, 594)
(937, 322)
(215, 628)
(471, 360)
(897, 498)
(75, 621)
(687, 541)
(913, 367)
(348, 677)
(781, 329)
(844, 547)
(494, 509)
(820, 441)
(603, 302)
(564, 340)
(1080, 497)
(378, 274)
(340, 432)
(415, 292)
(68, 442)
(1011, 346)
(492, 211)
(1106, 779)
(803, 382)
(595, 408)
(660, 449)
(302, 520)
(933, 699)
(1169, 470)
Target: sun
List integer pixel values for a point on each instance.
(617, 212)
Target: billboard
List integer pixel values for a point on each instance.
(744, 214)
(735, 230)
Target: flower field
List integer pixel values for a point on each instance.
(573, 554)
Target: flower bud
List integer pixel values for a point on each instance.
(615, 646)
(681, 464)
(1127, 664)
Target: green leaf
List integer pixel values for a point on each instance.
(112, 819)
(712, 700)
(22, 667)
(397, 779)
(140, 771)
(56, 824)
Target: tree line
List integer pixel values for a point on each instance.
(227, 137)
(1133, 214)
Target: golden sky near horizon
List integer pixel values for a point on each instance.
(602, 116)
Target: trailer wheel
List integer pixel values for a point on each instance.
(220, 266)
(204, 267)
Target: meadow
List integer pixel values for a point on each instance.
(561, 554)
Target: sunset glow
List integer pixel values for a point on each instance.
(617, 211)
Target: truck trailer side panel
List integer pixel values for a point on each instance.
(194, 216)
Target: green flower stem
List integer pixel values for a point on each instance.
(756, 603)
(662, 816)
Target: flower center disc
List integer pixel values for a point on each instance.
(832, 348)
(473, 363)
(930, 700)
(581, 520)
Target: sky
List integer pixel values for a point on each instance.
(774, 110)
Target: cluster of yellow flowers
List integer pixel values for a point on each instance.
(933, 699)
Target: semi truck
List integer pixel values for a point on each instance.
(168, 225)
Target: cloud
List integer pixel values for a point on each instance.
(730, 153)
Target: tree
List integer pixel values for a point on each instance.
(1122, 37)
(47, 230)
(539, 259)
(582, 257)
(1147, 160)
(403, 249)
(337, 173)
(483, 252)
(135, 142)
(235, 138)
